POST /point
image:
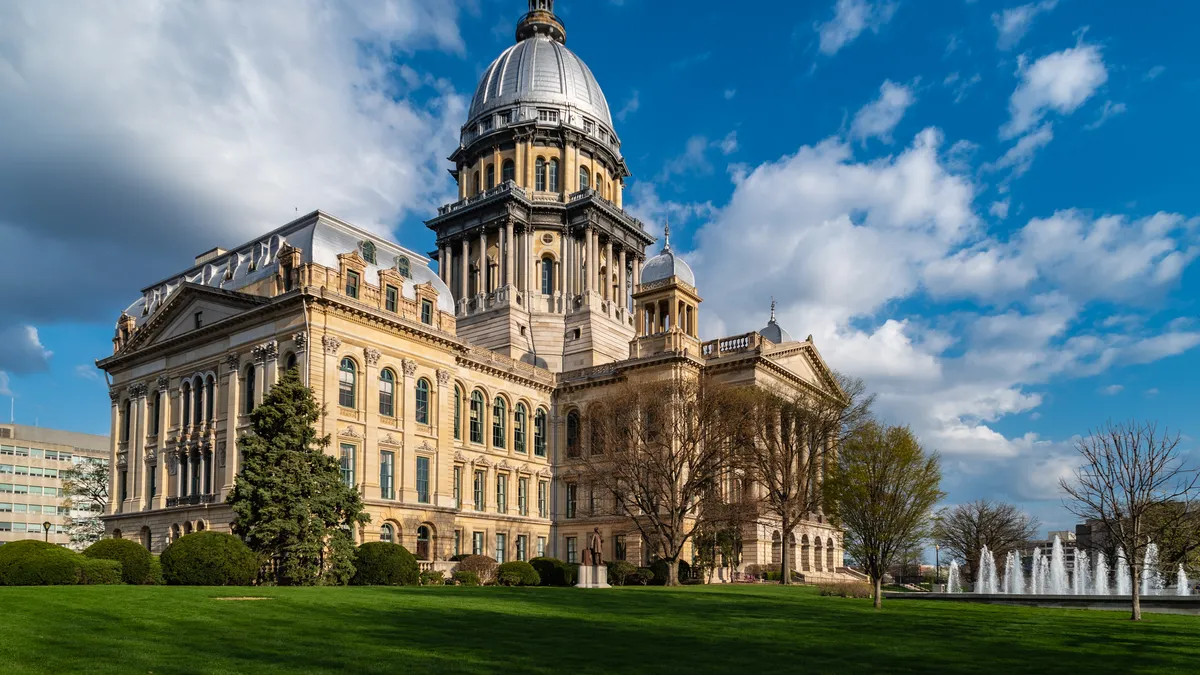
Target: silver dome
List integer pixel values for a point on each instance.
(539, 70)
(667, 264)
(773, 331)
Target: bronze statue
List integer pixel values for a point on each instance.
(595, 543)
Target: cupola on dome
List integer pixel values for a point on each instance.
(667, 264)
(773, 331)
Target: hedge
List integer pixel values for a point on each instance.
(209, 559)
(134, 558)
(37, 563)
(553, 572)
(383, 563)
(432, 578)
(155, 577)
(483, 567)
(517, 573)
(619, 572)
(465, 578)
(101, 571)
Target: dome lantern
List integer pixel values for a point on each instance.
(541, 21)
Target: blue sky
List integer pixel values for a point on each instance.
(986, 209)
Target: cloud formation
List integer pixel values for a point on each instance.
(878, 118)
(1058, 82)
(850, 19)
(1012, 23)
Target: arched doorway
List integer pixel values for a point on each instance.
(424, 541)
(829, 557)
(805, 554)
(817, 561)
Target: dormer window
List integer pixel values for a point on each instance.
(485, 125)
(352, 282)
(550, 116)
(427, 312)
(403, 267)
(506, 117)
(368, 251)
(589, 126)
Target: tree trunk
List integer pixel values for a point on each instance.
(878, 592)
(1135, 589)
(785, 573)
(673, 572)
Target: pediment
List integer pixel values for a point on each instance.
(177, 316)
(804, 361)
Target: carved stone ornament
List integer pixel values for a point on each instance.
(410, 367)
(389, 439)
(232, 361)
(221, 455)
(163, 382)
(503, 465)
(481, 461)
(544, 472)
(267, 351)
(114, 394)
(372, 356)
(151, 456)
(349, 432)
(443, 377)
(426, 447)
(172, 464)
(137, 390)
(122, 461)
(525, 469)
(459, 457)
(301, 342)
(331, 343)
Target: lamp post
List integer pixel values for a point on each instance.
(46, 526)
(937, 563)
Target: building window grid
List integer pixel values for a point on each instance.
(422, 411)
(523, 496)
(572, 497)
(572, 549)
(522, 547)
(458, 470)
(352, 284)
(387, 475)
(539, 433)
(457, 413)
(499, 416)
(501, 546)
(387, 393)
(392, 301)
(478, 491)
(427, 312)
(423, 480)
(542, 488)
(346, 383)
(347, 464)
(476, 417)
(541, 547)
(477, 543)
(519, 422)
(501, 493)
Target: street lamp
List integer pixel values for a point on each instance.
(46, 526)
(937, 564)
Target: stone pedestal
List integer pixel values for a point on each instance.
(593, 576)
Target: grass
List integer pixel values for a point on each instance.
(699, 629)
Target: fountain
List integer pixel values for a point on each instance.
(1014, 574)
(1101, 575)
(986, 581)
(1182, 586)
(1057, 569)
(1152, 581)
(954, 584)
(1079, 580)
(1123, 584)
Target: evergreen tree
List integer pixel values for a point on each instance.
(290, 503)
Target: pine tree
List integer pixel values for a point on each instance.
(290, 503)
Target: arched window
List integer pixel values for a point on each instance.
(573, 434)
(423, 541)
(476, 417)
(197, 400)
(539, 433)
(404, 267)
(519, 428)
(829, 561)
(387, 393)
(346, 382)
(499, 420)
(185, 395)
(210, 395)
(387, 533)
(583, 178)
(290, 362)
(457, 413)
(422, 401)
(539, 175)
(600, 183)
(126, 416)
(552, 178)
(477, 182)
(547, 275)
(491, 176)
(248, 406)
(154, 410)
(776, 548)
(508, 171)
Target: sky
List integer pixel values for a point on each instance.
(984, 208)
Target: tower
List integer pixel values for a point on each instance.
(538, 252)
(666, 305)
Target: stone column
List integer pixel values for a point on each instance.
(327, 384)
(509, 252)
(483, 264)
(370, 446)
(589, 283)
(268, 355)
(608, 270)
(300, 342)
(135, 457)
(158, 501)
(624, 282)
(228, 473)
(464, 281)
(637, 271)
(565, 287)
(404, 491)
(114, 445)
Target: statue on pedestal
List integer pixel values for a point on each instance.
(595, 544)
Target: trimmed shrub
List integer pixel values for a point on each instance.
(662, 570)
(209, 559)
(483, 567)
(643, 576)
(155, 577)
(432, 578)
(464, 578)
(459, 556)
(134, 558)
(101, 571)
(382, 563)
(552, 571)
(518, 573)
(36, 563)
(619, 572)
(850, 589)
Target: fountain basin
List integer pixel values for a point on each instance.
(1152, 604)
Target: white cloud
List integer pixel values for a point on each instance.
(644, 203)
(1019, 158)
(730, 93)
(1153, 73)
(5, 390)
(729, 144)
(1112, 390)
(21, 350)
(999, 209)
(961, 85)
(1109, 111)
(850, 19)
(1013, 23)
(88, 372)
(1059, 82)
(631, 106)
(878, 118)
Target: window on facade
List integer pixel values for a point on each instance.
(541, 547)
(599, 185)
(185, 397)
(210, 391)
(422, 401)
(508, 171)
(427, 312)
(289, 363)
(519, 424)
(506, 117)
(501, 493)
(572, 549)
(387, 475)
(403, 267)
(458, 542)
(478, 490)
(126, 416)
(387, 533)
(573, 434)
(458, 471)
(523, 496)
(392, 299)
(346, 381)
(368, 251)
(572, 499)
(476, 417)
(124, 484)
(543, 488)
(352, 283)
(477, 543)
(583, 178)
(347, 464)
(423, 480)
(198, 400)
(499, 419)
(423, 542)
(491, 176)
(387, 393)
(548, 116)
(155, 401)
(589, 126)
(547, 275)
(476, 180)
(539, 175)
(152, 474)
(501, 546)
(539, 433)
(457, 413)
(522, 546)
(248, 404)
(619, 547)
(552, 175)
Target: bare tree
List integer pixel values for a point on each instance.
(883, 492)
(964, 529)
(86, 487)
(792, 440)
(657, 449)
(1134, 482)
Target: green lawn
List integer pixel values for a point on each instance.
(699, 629)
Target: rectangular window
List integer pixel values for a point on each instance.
(198, 319)
(347, 464)
(572, 496)
(501, 546)
(572, 549)
(427, 312)
(501, 494)
(542, 487)
(392, 301)
(541, 547)
(477, 543)
(153, 482)
(479, 503)
(352, 283)
(387, 475)
(458, 470)
(548, 116)
(591, 501)
(423, 480)
(124, 485)
(458, 542)
(523, 496)
(522, 546)
(619, 547)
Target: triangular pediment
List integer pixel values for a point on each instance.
(803, 360)
(190, 308)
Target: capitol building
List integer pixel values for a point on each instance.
(454, 382)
